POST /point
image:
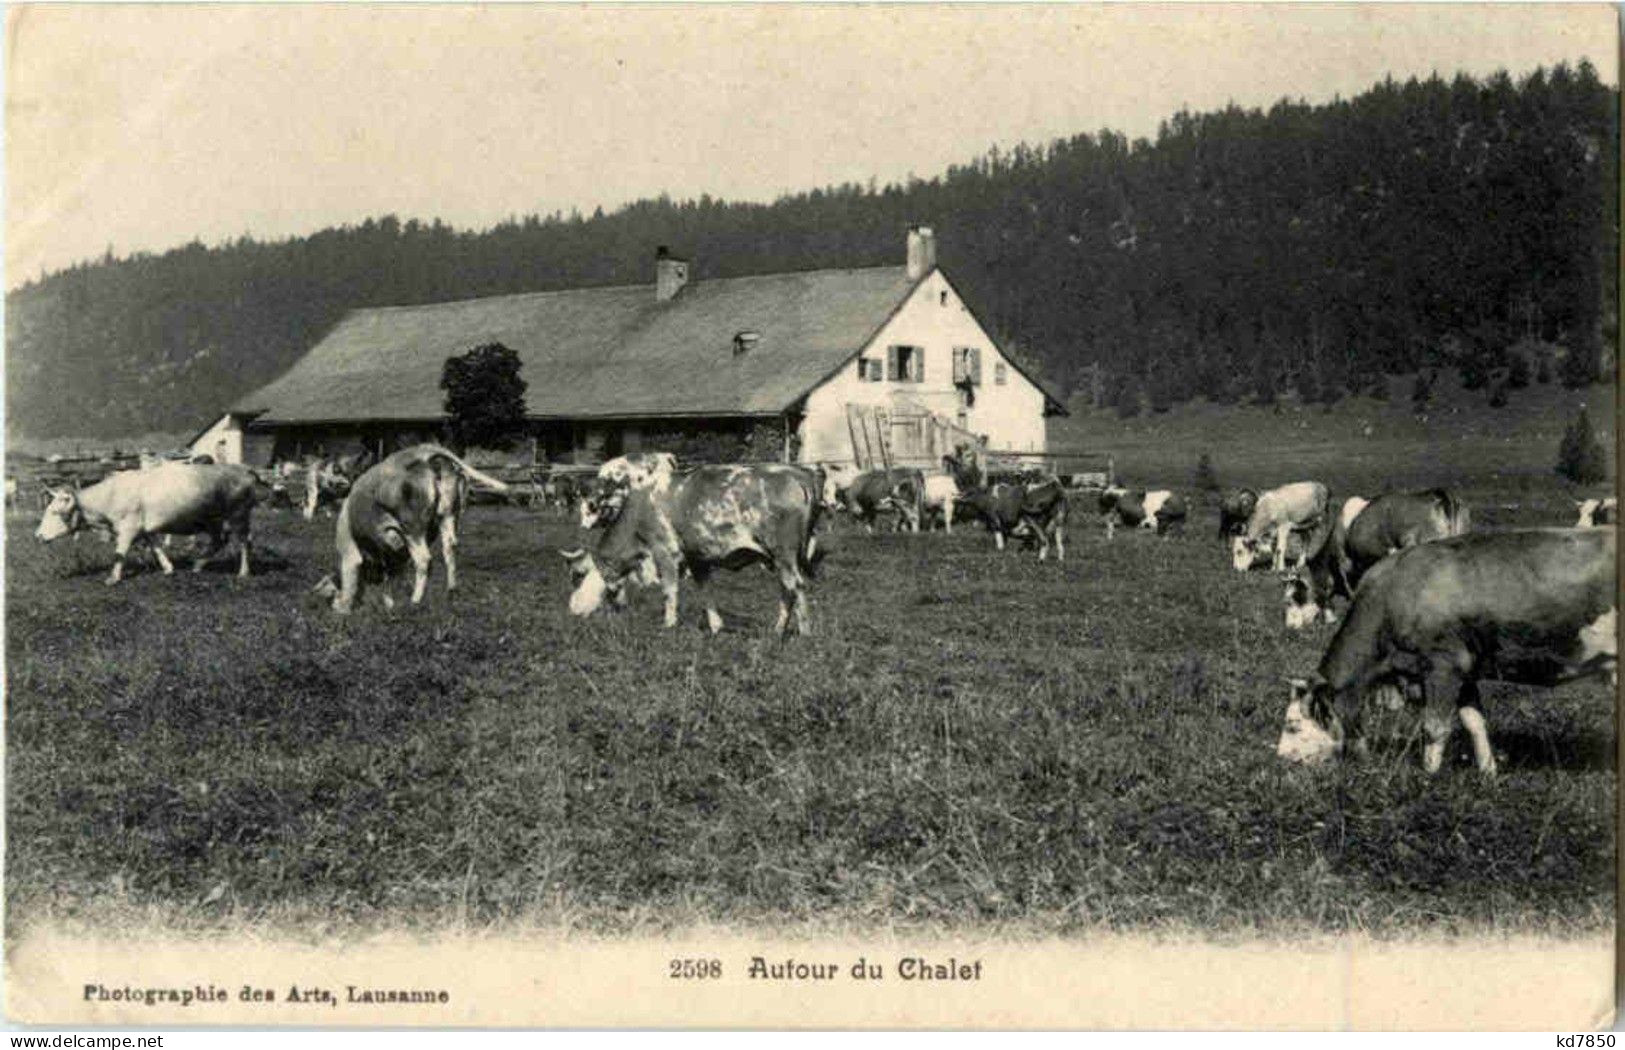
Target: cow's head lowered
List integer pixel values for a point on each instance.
(1312, 732)
(62, 517)
(1303, 604)
(590, 584)
(619, 477)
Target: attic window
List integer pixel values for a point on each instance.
(870, 370)
(1000, 374)
(942, 299)
(746, 341)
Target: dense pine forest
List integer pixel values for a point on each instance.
(1467, 224)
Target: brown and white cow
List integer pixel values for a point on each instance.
(1364, 534)
(394, 511)
(328, 481)
(1534, 607)
(1160, 510)
(1009, 509)
(1301, 507)
(620, 476)
(900, 489)
(1595, 512)
(1235, 508)
(170, 499)
(710, 517)
(838, 478)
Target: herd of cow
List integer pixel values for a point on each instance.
(1430, 607)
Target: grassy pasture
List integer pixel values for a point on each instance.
(970, 739)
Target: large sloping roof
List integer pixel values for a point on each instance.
(599, 352)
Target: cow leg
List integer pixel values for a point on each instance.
(702, 576)
(123, 540)
(998, 538)
(1472, 720)
(1060, 540)
(216, 541)
(1443, 691)
(948, 517)
(792, 602)
(349, 581)
(418, 549)
(1043, 539)
(448, 550)
(1111, 528)
(1282, 535)
(243, 545)
(164, 563)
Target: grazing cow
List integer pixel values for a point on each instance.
(901, 489)
(1594, 512)
(1160, 511)
(1300, 507)
(1533, 607)
(728, 516)
(1005, 508)
(838, 478)
(328, 481)
(1363, 535)
(171, 499)
(1235, 508)
(394, 511)
(941, 490)
(620, 476)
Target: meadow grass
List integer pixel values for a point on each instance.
(969, 740)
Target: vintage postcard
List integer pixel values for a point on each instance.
(939, 516)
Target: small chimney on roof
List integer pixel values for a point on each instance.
(671, 273)
(922, 252)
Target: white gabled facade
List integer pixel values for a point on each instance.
(935, 324)
(223, 440)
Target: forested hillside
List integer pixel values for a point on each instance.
(1242, 252)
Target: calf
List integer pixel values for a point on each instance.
(1594, 512)
(170, 499)
(838, 478)
(393, 513)
(1533, 607)
(620, 476)
(1299, 507)
(1160, 511)
(1004, 507)
(715, 516)
(1363, 535)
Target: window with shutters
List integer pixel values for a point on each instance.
(905, 364)
(1001, 372)
(869, 370)
(967, 366)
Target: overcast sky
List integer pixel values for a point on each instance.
(142, 127)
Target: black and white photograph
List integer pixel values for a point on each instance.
(846, 516)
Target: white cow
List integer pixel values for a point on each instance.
(171, 499)
(1302, 506)
(941, 490)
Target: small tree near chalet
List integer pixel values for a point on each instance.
(485, 398)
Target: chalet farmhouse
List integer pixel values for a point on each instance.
(784, 366)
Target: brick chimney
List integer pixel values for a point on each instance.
(922, 252)
(671, 273)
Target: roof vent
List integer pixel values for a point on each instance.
(922, 252)
(746, 341)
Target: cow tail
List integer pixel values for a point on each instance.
(811, 554)
(469, 472)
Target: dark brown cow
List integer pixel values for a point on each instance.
(709, 517)
(900, 489)
(1235, 507)
(1364, 533)
(1535, 607)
